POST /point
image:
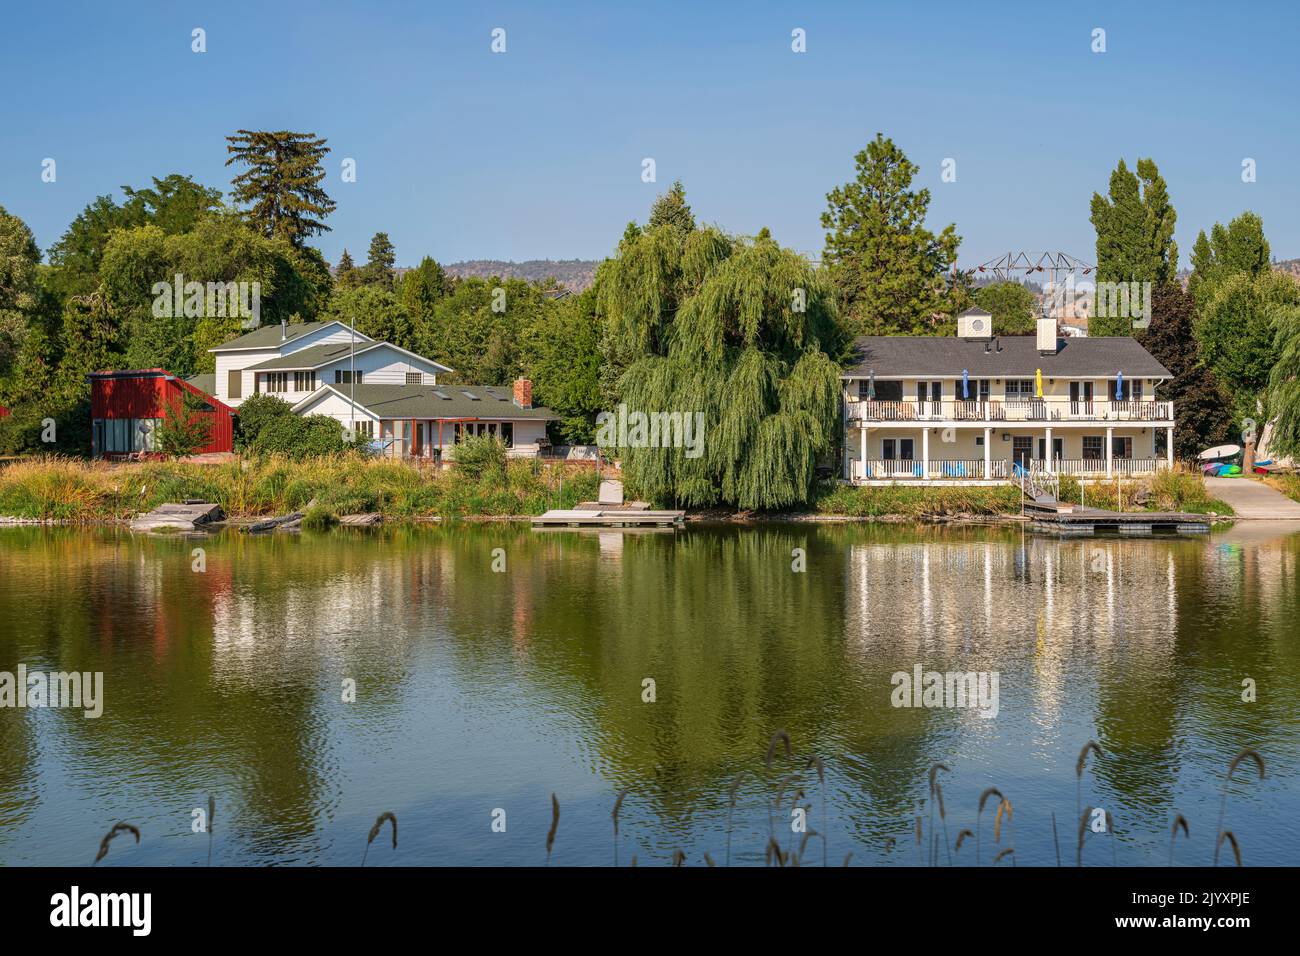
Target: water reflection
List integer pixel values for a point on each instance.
(479, 688)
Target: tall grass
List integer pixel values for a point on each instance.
(72, 490)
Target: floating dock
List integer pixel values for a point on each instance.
(608, 518)
(1067, 519)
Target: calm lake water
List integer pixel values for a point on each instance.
(480, 690)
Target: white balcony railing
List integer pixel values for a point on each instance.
(1011, 410)
(876, 469)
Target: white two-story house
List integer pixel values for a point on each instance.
(291, 361)
(988, 408)
(387, 396)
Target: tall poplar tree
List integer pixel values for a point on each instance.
(1240, 247)
(281, 186)
(1135, 236)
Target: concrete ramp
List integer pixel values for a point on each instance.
(1253, 499)
(178, 517)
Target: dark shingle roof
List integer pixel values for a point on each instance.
(313, 356)
(268, 336)
(205, 382)
(907, 355)
(426, 401)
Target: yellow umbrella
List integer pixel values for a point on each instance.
(1038, 382)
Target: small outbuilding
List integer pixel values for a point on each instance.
(127, 408)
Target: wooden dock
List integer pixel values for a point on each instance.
(1069, 519)
(608, 518)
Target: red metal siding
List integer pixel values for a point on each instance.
(3, 411)
(153, 393)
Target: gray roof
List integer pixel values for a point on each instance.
(427, 401)
(204, 382)
(313, 356)
(946, 356)
(268, 336)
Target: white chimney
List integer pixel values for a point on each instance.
(1047, 336)
(284, 329)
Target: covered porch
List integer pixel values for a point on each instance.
(435, 439)
(889, 453)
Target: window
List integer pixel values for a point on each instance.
(1121, 447)
(276, 382)
(1094, 447)
(345, 376)
(896, 449)
(414, 378)
(1132, 390)
(931, 390)
(365, 429)
(508, 434)
(234, 384)
(304, 381)
(885, 391)
(1020, 389)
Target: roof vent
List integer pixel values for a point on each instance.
(975, 324)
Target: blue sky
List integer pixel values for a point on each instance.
(536, 153)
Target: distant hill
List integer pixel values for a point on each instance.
(575, 274)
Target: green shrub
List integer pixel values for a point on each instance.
(300, 437)
(480, 455)
(254, 413)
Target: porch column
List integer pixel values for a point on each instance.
(925, 453)
(862, 434)
(1110, 434)
(1051, 465)
(988, 436)
(1169, 447)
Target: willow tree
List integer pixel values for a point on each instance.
(740, 332)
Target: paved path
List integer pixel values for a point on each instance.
(1253, 499)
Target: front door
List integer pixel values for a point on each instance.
(1022, 449)
(1058, 448)
(1081, 398)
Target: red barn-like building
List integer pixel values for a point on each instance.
(127, 407)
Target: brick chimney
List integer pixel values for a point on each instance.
(523, 393)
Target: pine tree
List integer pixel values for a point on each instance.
(281, 186)
(345, 273)
(381, 261)
(671, 209)
(891, 272)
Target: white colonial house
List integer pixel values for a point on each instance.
(986, 408)
(386, 394)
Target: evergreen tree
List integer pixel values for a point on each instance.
(379, 266)
(1135, 236)
(671, 209)
(1200, 404)
(889, 269)
(1238, 248)
(281, 186)
(345, 273)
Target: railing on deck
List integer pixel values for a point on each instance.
(1011, 410)
(1000, 468)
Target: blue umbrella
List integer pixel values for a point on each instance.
(1119, 386)
(965, 384)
